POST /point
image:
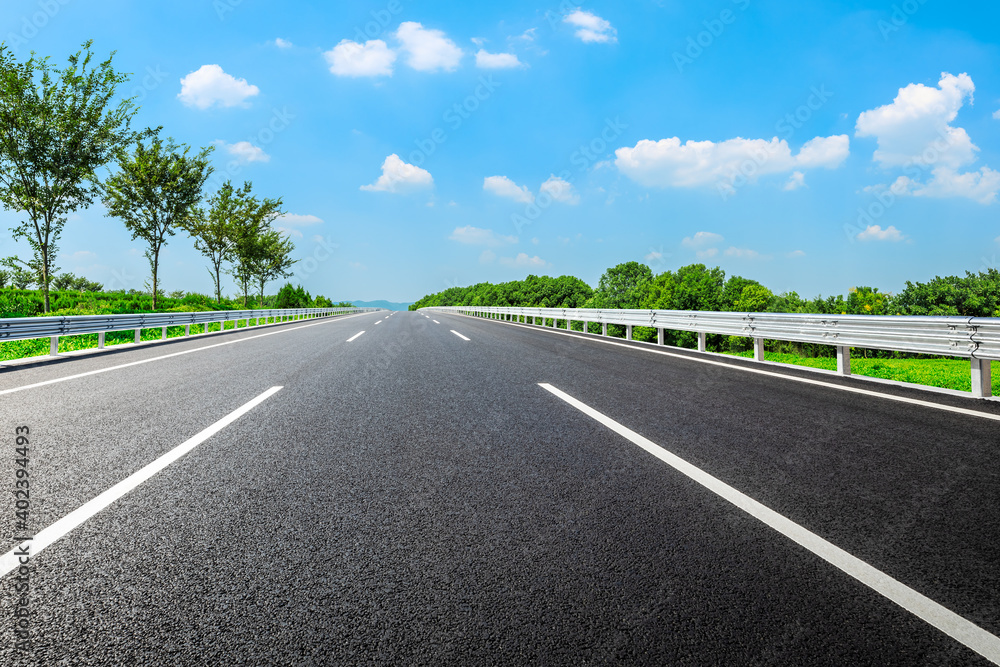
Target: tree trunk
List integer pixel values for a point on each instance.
(45, 275)
(155, 262)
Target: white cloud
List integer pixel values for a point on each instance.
(669, 163)
(470, 235)
(80, 255)
(398, 176)
(523, 260)
(560, 190)
(487, 257)
(701, 239)
(282, 44)
(373, 58)
(996, 114)
(915, 132)
(244, 151)
(502, 186)
(653, 256)
(357, 266)
(919, 120)
(796, 181)
(299, 220)
(485, 60)
(708, 253)
(591, 27)
(289, 232)
(210, 85)
(876, 233)
(742, 253)
(796, 253)
(427, 49)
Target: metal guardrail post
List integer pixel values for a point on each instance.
(54, 345)
(187, 329)
(604, 328)
(702, 341)
(758, 349)
(659, 336)
(100, 340)
(843, 360)
(163, 335)
(138, 333)
(982, 381)
(628, 332)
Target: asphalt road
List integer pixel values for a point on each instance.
(413, 497)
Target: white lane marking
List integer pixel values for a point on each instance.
(379, 322)
(459, 335)
(943, 619)
(820, 383)
(435, 322)
(351, 339)
(168, 356)
(56, 531)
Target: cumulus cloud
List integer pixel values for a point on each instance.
(523, 260)
(427, 50)
(996, 114)
(502, 186)
(470, 235)
(669, 163)
(398, 176)
(701, 239)
(282, 44)
(915, 132)
(707, 253)
(485, 60)
(743, 253)
(209, 85)
(795, 254)
(796, 180)
(876, 233)
(560, 190)
(349, 58)
(244, 151)
(591, 27)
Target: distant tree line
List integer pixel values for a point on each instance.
(60, 126)
(697, 287)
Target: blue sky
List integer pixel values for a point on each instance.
(419, 145)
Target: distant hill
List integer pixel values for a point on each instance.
(388, 305)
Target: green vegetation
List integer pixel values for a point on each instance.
(58, 129)
(29, 303)
(697, 287)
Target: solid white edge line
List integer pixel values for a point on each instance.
(955, 626)
(173, 354)
(54, 532)
(352, 338)
(820, 383)
(459, 335)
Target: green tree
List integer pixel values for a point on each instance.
(272, 259)
(213, 229)
(754, 299)
(57, 128)
(155, 191)
(248, 233)
(623, 286)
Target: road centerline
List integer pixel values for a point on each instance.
(355, 337)
(955, 626)
(459, 335)
(62, 527)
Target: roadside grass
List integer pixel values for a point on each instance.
(944, 373)
(39, 347)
